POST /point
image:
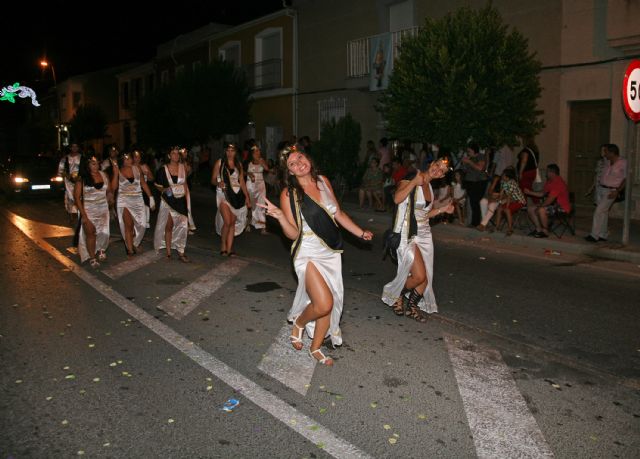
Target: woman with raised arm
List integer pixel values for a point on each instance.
(132, 216)
(232, 198)
(309, 215)
(91, 194)
(414, 278)
(171, 226)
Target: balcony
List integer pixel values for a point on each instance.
(264, 75)
(359, 51)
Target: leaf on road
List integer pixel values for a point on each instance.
(18, 381)
(373, 405)
(96, 379)
(92, 345)
(393, 441)
(323, 410)
(422, 416)
(70, 377)
(209, 387)
(64, 422)
(386, 427)
(48, 399)
(170, 421)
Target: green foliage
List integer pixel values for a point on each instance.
(89, 123)
(207, 103)
(464, 76)
(336, 153)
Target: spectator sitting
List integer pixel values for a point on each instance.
(398, 171)
(510, 200)
(556, 199)
(372, 186)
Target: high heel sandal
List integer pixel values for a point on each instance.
(183, 258)
(101, 255)
(399, 307)
(94, 263)
(297, 339)
(414, 311)
(323, 360)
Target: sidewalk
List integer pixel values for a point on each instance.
(611, 250)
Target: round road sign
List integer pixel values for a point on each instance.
(631, 91)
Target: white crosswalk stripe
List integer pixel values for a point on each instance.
(181, 303)
(129, 266)
(292, 368)
(500, 421)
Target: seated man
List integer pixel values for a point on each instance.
(556, 199)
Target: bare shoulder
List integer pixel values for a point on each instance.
(284, 194)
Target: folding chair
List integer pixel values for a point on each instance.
(521, 220)
(563, 221)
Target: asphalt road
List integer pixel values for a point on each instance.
(92, 367)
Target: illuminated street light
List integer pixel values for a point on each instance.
(59, 127)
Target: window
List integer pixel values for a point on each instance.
(333, 108)
(124, 94)
(164, 78)
(230, 52)
(77, 99)
(268, 59)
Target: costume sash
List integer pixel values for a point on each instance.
(237, 200)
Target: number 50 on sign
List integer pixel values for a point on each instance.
(631, 91)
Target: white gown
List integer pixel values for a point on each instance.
(329, 263)
(221, 199)
(69, 186)
(130, 198)
(257, 192)
(406, 252)
(97, 208)
(180, 230)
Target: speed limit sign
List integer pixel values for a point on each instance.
(631, 91)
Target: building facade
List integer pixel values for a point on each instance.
(584, 47)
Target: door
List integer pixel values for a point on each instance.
(589, 129)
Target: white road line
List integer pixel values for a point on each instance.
(292, 368)
(500, 421)
(129, 266)
(186, 300)
(279, 409)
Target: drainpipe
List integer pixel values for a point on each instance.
(292, 13)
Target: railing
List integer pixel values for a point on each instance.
(359, 55)
(264, 75)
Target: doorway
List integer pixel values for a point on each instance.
(588, 130)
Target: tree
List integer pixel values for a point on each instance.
(207, 103)
(88, 123)
(336, 152)
(464, 76)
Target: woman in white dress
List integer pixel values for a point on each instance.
(257, 188)
(414, 278)
(232, 198)
(171, 226)
(91, 192)
(147, 176)
(309, 215)
(132, 215)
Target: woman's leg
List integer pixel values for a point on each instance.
(361, 197)
(228, 227)
(507, 213)
(128, 230)
(418, 279)
(90, 239)
(320, 307)
(168, 234)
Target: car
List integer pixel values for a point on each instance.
(22, 175)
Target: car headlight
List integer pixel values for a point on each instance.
(20, 179)
(57, 179)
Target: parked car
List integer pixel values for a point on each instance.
(30, 175)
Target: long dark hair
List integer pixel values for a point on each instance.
(83, 171)
(291, 181)
(237, 162)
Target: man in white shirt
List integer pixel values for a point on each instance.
(610, 187)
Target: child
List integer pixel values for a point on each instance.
(511, 200)
(459, 195)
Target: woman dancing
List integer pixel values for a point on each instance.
(414, 278)
(308, 214)
(232, 198)
(90, 196)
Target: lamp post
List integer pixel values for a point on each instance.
(44, 64)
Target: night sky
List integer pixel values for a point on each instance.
(76, 40)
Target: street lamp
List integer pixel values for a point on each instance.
(59, 127)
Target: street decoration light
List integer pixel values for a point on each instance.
(9, 93)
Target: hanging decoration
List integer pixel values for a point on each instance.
(9, 93)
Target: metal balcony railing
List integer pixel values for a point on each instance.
(264, 75)
(359, 51)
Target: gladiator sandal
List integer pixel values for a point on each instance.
(399, 305)
(414, 311)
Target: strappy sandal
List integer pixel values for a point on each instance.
(223, 253)
(183, 258)
(398, 307)
(94, 263)
(323, 360)
(101, 255)
(297, 339)
(414, 311)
